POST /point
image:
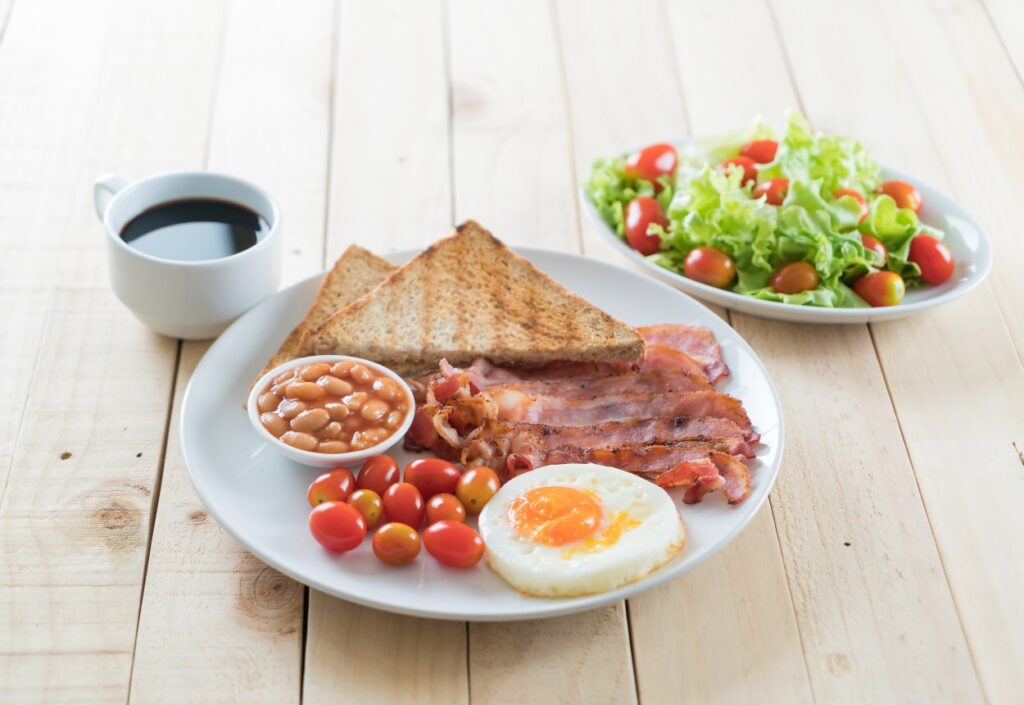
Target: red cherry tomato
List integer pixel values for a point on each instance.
(745, 163)
(453, 543)
(775, 190)
(378, 473)
(476, 487)
(880, 288)
(369, 504)
(761, 151)
(640, 213)
(337, 526)
(710, 266)
(933, 257)
(875, 245)
(404, 503)
(905, 195)
(795, 277)
(442, 507)
(432, 476)
(855, 195)
(334, 486)
(651, 162)
(396, 543)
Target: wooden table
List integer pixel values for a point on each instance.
(890, 563)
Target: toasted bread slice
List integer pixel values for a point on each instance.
(355, 273)
(470, 296)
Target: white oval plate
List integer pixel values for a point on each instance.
(259, 495)
(964, 237)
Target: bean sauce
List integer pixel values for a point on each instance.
(332, 408)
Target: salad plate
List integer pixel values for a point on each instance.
(259, 495)
(961, 234)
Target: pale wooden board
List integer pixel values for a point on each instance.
(639, 102)
(955, 374)
(1007, 18)
(73, 533)
(217, 625)
(876, 617)
(514, 174)
(390, 189)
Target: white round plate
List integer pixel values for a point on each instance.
(259, 495)
(964, 237)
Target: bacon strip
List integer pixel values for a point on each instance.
(593, 387)
(695, 341)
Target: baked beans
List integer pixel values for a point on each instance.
(335, 408)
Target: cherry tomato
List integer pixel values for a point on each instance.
(651, 162)
(710, 266)
(795, 277)
(476, 487)
(378, 473)
(337, 526)
(369, 504)
(453, 543)
(761, 151)
(745, 163)
(396, 543)
(933, 257)
(333, 486)
(880, 288)
(640, 213)
(404, 503)
(775, 190)
(432, 476)
(875, 245)
(855, 195)
(445, 506)
(905, 195)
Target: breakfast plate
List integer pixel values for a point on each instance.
(259, 496)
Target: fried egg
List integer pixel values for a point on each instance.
(566, 530)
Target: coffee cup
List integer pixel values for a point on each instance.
(189, 252)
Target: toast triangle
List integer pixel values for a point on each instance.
(470, 296)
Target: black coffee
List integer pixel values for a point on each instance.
(195, 229)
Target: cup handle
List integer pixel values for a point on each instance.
(104, 191)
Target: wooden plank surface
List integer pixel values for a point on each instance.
(218, 625)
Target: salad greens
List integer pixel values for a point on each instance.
(707, 205)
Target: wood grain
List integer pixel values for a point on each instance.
(390, 156)
(217, 625)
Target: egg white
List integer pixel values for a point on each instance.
(576, 569)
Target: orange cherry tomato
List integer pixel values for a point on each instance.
(432, 476)
(881, 288)
(905, 195)
(337, 526)
(795, 277)
(761, 151)
(651, 162)
(476, 487)
(933, 257)
(404, 503)
(855, 195)
(774, 190)
(453, 543)
(875, 245)
(710, 266)
(378, 473)
(333, 486)
(745, 163)
(396, 543)
(640, 213)
(369, 504)
(442, 507)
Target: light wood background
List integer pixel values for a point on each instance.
(889, 565)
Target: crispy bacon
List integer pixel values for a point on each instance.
(736, 476)
(695, 341)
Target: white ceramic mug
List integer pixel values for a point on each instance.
(194, 300)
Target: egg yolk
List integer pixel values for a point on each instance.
(555, 515)
(620, 524)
